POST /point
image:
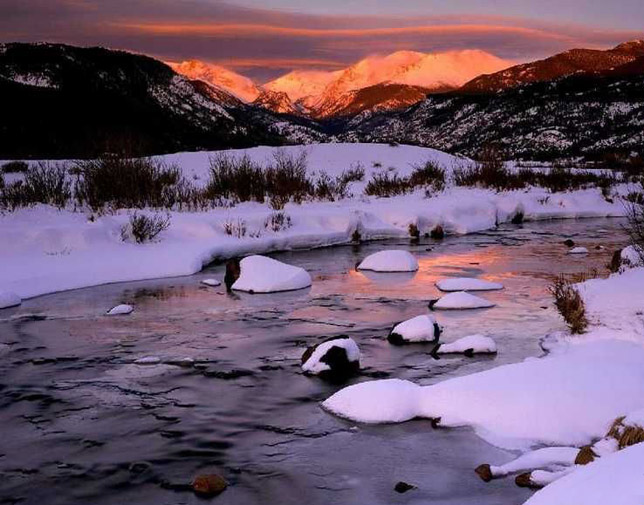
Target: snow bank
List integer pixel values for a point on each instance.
(461, 300)
(551, 458)
(46, 250)
(9, 299)
(615, 479)
(569, 398)
(316, 363)
(472, 344)
(390, 261)
(417, 329)
(260, 274)
(120, 310)
(467, 284)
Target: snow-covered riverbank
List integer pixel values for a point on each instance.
(45, 250)
(569, 398)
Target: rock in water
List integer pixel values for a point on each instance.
(209, 485)
(120, 310)
(578, 250)
(335, 359)
(460, 300)
(233, 270)
(403, 487)
(390, 261)
(569, 243)
(417, 329)
(260, 274)
(213, 283)
(9, 299)
(470, 345)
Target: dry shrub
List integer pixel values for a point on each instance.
(46, 183)
(12, 167)
(144, 228)
(570, 304)
(626, 435)
(635, 226)
(278, 221)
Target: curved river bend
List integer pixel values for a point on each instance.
(83, 424)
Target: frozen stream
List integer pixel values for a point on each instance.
(81, 423)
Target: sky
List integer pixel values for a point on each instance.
(267, 38)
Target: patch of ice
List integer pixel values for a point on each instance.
(390, 261)
(461, 300)
(260, 274)
(120, 310)
(467, 284)
(9, 299)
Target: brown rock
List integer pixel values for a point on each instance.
(585, 456)
(484, 471)
(209, 485)
(437, 232)
(233, 270)
(525, 480)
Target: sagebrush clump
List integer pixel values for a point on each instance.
(142, 228)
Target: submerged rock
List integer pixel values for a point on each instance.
(403, 487)
(336, 359)
(209, 485)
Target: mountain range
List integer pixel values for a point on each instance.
(65, 101)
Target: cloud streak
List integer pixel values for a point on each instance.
(267, 42)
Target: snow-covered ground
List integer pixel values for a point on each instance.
(45, 250)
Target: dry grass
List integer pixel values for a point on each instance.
(625, 435)
(570, 304)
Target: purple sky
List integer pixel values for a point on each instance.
(265, 38)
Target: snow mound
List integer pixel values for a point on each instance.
(120, 310)
(9, 299)
(615, 479)
(461, 300)
(390, 261)
(319, 360)
(472, 344)
(578, 250)
(467, 284)
(383, 401)
(260, 274)
(555, 400)
(213, 283)
(550, 458)
(417, 329)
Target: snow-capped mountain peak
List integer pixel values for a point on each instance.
(240, 86)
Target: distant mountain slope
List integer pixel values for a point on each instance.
(61, 101)
(238, 85)
(581, 115)
(379, 97)
(559, 65)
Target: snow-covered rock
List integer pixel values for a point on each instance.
(260, 274)
(470, 345)
(335, 358)
(390, 261)
(213, 283)
(578, 250)
(120, 310)
(555, 400)
(550, 458)
(615, 479)
(417, 329)
(467, 284)
(460, 300)
(9, 299)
